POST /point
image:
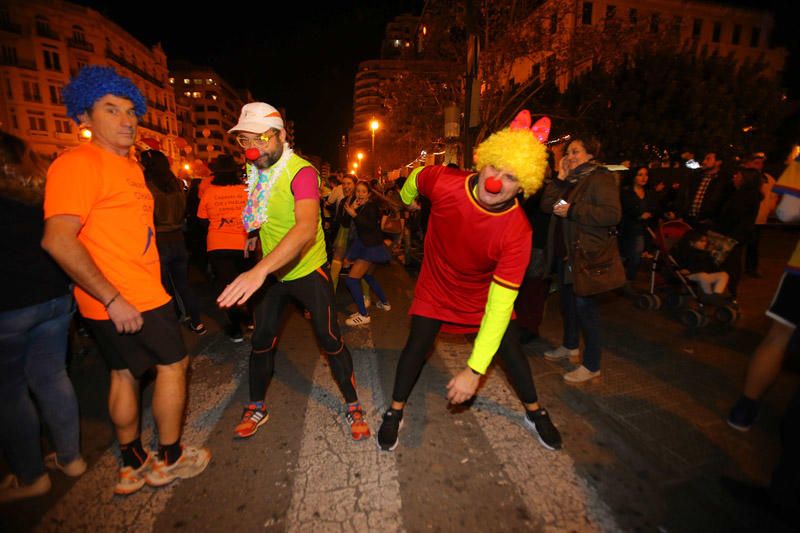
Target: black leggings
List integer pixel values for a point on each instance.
(227, 264)
(420, 341)
(315, 292)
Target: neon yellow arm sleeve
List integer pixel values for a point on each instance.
(409, 190)
(496, 317)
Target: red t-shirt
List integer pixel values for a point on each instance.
(466, 248)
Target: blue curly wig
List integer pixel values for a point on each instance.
(92, 83)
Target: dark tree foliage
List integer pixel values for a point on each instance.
(668, 101)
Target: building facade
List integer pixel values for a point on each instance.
(43, 43)
(570, 37)
(211, 107)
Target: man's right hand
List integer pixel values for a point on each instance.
(243, 287)
(124, 316)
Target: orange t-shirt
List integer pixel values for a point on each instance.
(115, 207)
(223, 206)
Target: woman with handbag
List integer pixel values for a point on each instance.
(367, 250)
(582, 249)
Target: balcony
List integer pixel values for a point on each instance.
(44, 31)
(7, 25)
(80, 44)
(153, 127)
(29, 64)
(133, 68)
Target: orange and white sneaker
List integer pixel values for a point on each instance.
(253, 417)
(191, 463)
(359, 428)
(132, 479)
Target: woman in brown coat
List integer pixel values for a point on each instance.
(584, 203)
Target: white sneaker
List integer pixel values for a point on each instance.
(11, 490)
(191, 463)
(580, 375)
(561, 352)
(385, 306)
(73, 469)
(357, 319)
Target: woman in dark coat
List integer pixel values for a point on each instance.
(367, 250)
(637, 211)
(737, 220)
(584, 202)
(169, 212)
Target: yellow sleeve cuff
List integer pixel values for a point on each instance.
(497, 315)
(409, 190)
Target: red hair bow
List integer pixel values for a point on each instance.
(540, 130)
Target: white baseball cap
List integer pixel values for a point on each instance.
(258, 117)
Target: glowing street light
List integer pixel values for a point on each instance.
(355, 169)
(373, 125)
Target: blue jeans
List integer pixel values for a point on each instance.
(633, 246)
(580, 312)
(33, 353)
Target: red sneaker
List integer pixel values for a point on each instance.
(252, 419)
(358, 425)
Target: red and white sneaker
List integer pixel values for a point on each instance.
(252, 419)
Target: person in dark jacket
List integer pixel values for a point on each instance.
(367, 250)
(169, 213)
(36, 307)
(584, 202)
(737, 219)
(637, 210)
(699, 203)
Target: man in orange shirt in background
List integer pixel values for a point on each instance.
(99, 228)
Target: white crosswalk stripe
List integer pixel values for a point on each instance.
(343, 485)
(545, 480)
(90, 505)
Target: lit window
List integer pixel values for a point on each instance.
(396, 43)
(186, 81)
(172, 81)
(210, 81)
(187, 93)
(196, 94)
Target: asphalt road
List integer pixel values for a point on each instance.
(644, 448)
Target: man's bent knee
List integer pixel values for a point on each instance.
(178, 367)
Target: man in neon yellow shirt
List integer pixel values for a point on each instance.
(283, 207)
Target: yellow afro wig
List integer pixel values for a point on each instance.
(518, 152)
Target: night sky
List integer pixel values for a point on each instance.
(303, 56)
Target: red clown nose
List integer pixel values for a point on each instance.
(252, 154)
(492, 185)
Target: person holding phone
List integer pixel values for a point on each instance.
(584, 203)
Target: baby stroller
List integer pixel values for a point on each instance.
(696, 307)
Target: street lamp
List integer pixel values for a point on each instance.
(373, 125)
(360, 156)
(355, 169)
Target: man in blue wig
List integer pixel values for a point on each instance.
(99, 228)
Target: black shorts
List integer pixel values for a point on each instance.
(159, 342)
(784, 307)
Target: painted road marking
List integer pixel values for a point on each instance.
(90, 504)
(546, 481)
(343, 485)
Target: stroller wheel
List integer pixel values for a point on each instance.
(656, 301)
(692, 318)
(646, 301)
(676, 300)
(727, 314)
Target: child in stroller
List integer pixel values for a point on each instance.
(697, 264)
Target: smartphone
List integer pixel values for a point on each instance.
(560, 202)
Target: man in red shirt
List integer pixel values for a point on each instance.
(477, 249)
